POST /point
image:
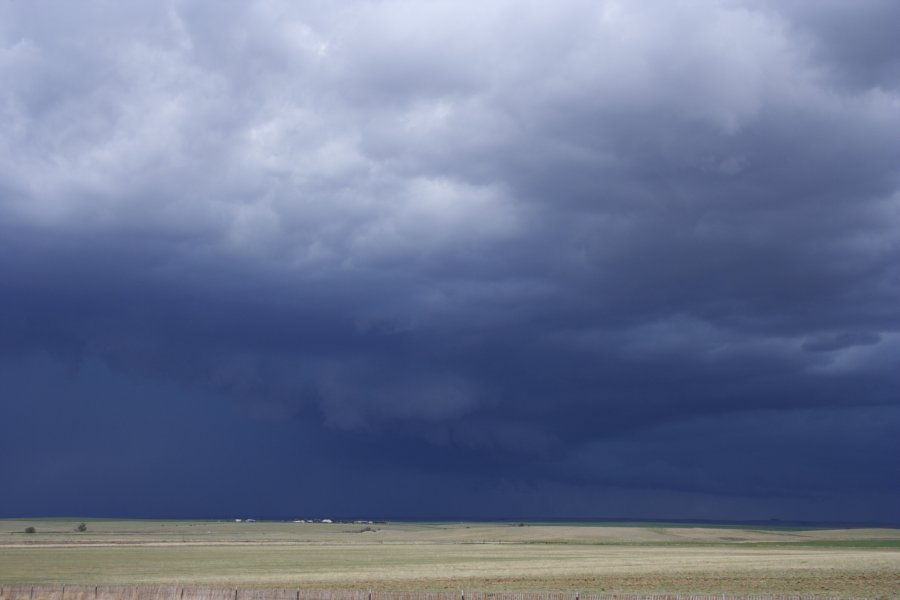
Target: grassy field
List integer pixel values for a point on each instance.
(453, 556)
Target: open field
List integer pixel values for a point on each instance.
(454, 556)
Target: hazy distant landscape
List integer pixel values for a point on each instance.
(581, 557)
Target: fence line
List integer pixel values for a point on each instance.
(106, 592)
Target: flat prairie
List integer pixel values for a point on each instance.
(637, 558)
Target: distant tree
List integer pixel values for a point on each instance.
(30, 530)
(81, 527)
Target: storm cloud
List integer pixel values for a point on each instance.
(501, 259)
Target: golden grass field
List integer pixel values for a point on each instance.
(454, 556)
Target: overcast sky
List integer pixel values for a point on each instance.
(518, 259)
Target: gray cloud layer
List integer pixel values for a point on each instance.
(541, 238)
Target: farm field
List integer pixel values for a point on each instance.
(453, 556)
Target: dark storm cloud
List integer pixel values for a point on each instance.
(853, 40)
(596, 249)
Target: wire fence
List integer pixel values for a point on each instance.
(103, 592)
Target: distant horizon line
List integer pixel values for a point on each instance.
(506, 520)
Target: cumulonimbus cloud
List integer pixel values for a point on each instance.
(584, 218)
